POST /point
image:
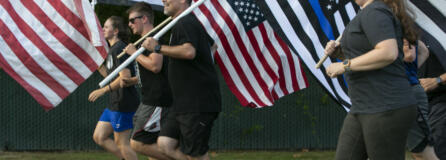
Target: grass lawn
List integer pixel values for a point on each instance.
(220, 155)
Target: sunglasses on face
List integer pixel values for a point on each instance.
(132, 20)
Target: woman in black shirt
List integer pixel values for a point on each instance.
(383, 106)
(117, 117)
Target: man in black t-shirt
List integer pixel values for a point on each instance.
(155, 90)
(194, 83)
(434, 83)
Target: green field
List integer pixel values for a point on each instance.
(226, 155)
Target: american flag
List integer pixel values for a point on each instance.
(430, 16)
(306, 26)
(50, 46)
(256, 64)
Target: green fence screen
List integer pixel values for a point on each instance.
(307, 119)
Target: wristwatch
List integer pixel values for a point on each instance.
(439, 80)
(347, 64)
(157, 48)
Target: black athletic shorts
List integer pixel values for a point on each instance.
(145, 137)
(171, 127)
(193, 131)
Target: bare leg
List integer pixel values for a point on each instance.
(101, 137)
(150, 150)
(169, 146)
(427, 154)
(122, 140)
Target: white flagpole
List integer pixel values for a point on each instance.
(148, 34)
(140, 50)
(319, 64)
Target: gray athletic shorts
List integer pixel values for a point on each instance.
(420, 130)
(147, 123)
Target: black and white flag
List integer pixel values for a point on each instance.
(306, 26)
(430, 17)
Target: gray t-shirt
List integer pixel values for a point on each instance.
(381, 89)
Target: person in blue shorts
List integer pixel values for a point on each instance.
(117, 117)
(419, 141)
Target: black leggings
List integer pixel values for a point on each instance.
(378, 136)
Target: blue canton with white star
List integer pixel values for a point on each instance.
(331, 6)
(248, 12)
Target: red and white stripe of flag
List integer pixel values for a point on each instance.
(257, 65)
(50, 47)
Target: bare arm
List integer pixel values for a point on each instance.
(333, 50)
(384, 53)
(430, 84)
(102, 70)
(184, 51)
(152, 62)
(125, 82)
(423, 53)
(410, 53)
(125, 73)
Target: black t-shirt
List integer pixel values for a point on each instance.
(432, 68)
(124, 99)
(381, 89)
(194, 83)
(155, 88)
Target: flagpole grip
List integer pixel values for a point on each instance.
(148, 34)
(142, 49)
(322, 60)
